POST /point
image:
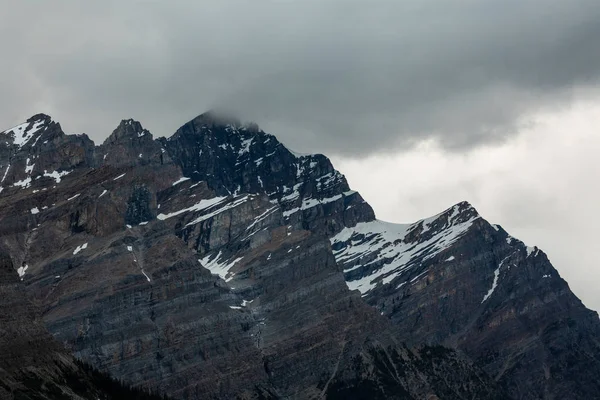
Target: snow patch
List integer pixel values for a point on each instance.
(245, 146)
(218, 267)
(495, 282)
(25, 183)
(203, 204)
(79, 248)
(387, 250)
(22, 135)
(494, 285)
(35, 210)
(21, 271)
(56, 175)
(119, 177)
(28, 167)
(147, 277)
(228, 206)
(178, 181)
(5, 173)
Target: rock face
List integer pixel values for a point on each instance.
(32, 364)
(219, 264)
(232, 159)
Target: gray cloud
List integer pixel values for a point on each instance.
(340, 77)
(539, 185)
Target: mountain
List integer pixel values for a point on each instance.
(458, 280)
(217, 263)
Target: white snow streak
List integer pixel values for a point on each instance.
(309, 203)
(203, 204)
(25, 183)
(79, 248)
(494, 285)
(228, 206)
(182, 179)
(5, 173)
(22, 135)
(496, 276)
(147, 277)
(218, 267)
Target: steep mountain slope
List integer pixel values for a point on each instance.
(202, 291)
(455, 279)
(32, 364)
(217, 264)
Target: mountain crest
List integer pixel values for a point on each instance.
(28, 133)
(128, 129)
(221, 256)
(40, 117)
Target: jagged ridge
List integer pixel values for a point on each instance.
(256, 214)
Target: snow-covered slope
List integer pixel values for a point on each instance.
(377, 253)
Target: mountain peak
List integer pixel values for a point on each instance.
(40, 117)
(30, 131)
(463, 208)
(222, 118)
(128, 129)
(213, 118)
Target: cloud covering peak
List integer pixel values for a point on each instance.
(340, 77)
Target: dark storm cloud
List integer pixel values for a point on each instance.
(344, 77)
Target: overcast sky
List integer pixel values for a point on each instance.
(421, 103)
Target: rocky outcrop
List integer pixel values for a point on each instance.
(130, 144)
(219, 264)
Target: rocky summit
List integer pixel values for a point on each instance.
(218, 264)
